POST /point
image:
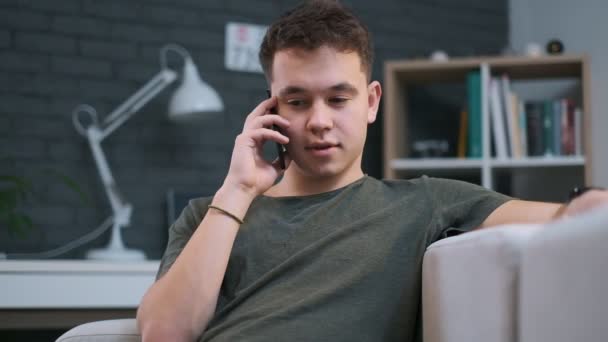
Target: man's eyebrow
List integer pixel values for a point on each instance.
(290, 90)
(344, 87)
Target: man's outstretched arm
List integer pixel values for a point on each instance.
(518, 211)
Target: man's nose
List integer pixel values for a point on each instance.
(320, 118)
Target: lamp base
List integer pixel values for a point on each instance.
(115, 254)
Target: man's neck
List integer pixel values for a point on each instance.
(296, 184)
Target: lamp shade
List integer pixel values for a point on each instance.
(193, 97)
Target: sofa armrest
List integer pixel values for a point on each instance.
(469, 285)
(564, 282)
(115, 330)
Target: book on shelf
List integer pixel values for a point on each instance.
(549, 127)
(578, 141)
(548, 118)
(473, 136)
(507, 107)
(523, 128)
(462, 135)
(533, 114)
(560, 127)
(568, 121)
(557, 127)
(513, 111)
(497, 118)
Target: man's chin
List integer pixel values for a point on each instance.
(320, 170)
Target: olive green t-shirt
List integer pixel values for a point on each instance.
(344, 265)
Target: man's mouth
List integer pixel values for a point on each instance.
(322, 149)
(321, 146)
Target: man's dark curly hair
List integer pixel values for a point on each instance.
(317, 23)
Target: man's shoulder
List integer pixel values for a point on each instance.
(196, 208)
(395, 191)
(419, 188)
(423, 183)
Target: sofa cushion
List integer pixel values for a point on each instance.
(469, 285)
(116, 330)
(564, 282)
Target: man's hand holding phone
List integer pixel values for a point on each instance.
(281, 150)
(249, 171)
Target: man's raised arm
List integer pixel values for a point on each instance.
(180, 304)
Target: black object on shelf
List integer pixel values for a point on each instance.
(555, 47)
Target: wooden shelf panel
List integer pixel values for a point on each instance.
(435, 163)
(422, 71)
(457, 163)
(539, 162)
(519, 67)
(541, 68)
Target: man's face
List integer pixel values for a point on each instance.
(325, 96)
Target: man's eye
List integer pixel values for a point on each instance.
(338, 100)
(296, 103)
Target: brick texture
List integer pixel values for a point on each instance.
(57, 54)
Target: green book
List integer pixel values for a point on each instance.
(548, 130)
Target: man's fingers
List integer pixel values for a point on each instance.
(264, 134)
(267, 121)
(262, 108)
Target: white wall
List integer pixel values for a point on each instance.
(583, 28)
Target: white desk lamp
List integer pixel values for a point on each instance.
(192, 97)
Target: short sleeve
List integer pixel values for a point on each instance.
(181, 231)
(460, 206)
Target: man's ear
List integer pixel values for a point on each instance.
(374, 93)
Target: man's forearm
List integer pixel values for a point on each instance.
(560, 211)
(518, 211)
(184, 299)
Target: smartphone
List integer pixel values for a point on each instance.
(281, 150)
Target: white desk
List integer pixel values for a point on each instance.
(64, 293)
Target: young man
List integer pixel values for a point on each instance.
(327, 253)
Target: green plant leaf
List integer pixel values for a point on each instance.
(19, 225)
(15, 192)
(72, 184)
(18, 182)
(22, 182)
(9, 198)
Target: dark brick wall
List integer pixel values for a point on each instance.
(57, 54)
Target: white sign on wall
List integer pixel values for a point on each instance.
(242, 46)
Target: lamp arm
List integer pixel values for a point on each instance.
(95, 135)
(120, 207)
(131, 105)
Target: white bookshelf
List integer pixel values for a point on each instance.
(434, 163)
(401, 74)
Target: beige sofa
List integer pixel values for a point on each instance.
(514, 283)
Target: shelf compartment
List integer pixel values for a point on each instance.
(403, 76)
